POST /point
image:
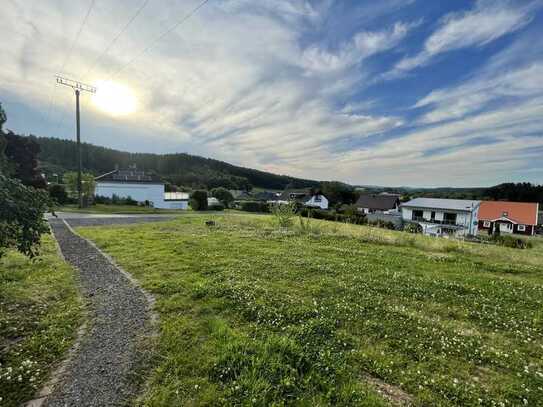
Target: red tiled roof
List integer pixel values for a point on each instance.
(524, 213)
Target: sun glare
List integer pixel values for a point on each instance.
(113, 98)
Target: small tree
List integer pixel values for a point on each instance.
(198, 200)
(223, 195)
(58, 193)
(22, 219)
(88, 185)
(283, 213)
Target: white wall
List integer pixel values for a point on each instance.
(140, 192)
(173, 205)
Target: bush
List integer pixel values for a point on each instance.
(383, 224)
(58, 193)
(198, 200)
(254, 206)
(283, 213)
(412, 228)
(223, 195)
(333, 216)
(22, 219)
(511, 241)
(216, 207)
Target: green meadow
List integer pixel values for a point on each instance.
(40, 312)
(324, 313)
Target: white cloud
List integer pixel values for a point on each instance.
(486, 22)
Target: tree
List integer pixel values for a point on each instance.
(88, 185)
(22, 154)
(223, 195)
(338, 193)
(198, 200)
(58, 193)
(22, 219)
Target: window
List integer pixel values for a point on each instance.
(433, 215)
(416, 214)
(449, 218)
(505, 214)
(318, 198)
(486, 224)
(521, 228)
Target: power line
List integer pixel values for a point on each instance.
(68, 55)
(116, 38)
(159, 37)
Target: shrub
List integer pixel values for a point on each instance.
(412, 228)
(129, 201)
(283, 213)
(254, 206)
(58, 193)
(383, 224)
(22, 219)
(198, 200)
(223, 195)
(511, 241)
(216, 207)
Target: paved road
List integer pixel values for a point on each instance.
(99, 373)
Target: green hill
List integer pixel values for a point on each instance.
(57, 156)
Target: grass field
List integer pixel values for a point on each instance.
(40, 312)
(328, 314)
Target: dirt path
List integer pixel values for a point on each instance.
(99, 371)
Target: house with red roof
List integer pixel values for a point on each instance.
(508, 217)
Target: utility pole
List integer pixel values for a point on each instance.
(77, 87)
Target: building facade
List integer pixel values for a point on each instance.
(443, 217)
(508, 217)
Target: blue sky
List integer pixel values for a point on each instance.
(389, 92)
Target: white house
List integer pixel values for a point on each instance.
(306, 197)
(141, 187)
(443, 217)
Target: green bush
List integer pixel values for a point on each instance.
(58, 193)
(223, 195)
(22, 219)
(511, 241)
(198, 200)
(254, 206)
(412, 228)
(216, 207)
(283, 213)
(382, 224)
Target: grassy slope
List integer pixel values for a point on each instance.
(251, 315)
(39, 315)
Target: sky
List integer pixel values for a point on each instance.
(388, 92)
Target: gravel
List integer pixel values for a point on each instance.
(99, 373)
(97, 221)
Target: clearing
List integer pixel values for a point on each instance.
(328, 313)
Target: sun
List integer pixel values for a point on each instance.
(114, 98)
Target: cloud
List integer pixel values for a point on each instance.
(486, 22)
(318, 60)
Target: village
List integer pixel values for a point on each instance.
(457, 218)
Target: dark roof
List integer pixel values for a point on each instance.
(130, 175)
(378, 202)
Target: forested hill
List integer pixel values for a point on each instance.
(58, 156)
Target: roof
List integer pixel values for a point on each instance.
(300, 194)
(436, 203)
(130, 175)
(524, 213)
(380, 202)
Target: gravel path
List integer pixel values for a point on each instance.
(77, 222)
(99, 372)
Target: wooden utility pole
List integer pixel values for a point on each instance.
(77, 87)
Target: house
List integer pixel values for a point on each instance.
(140, 186)
(309, 198)
(266, 196)
(508, 217)
(443, 217)
(380, 203)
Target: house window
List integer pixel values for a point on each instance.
(449, 218)
(433, 215)
(505, 214)
(417, 215)
(318, 198)
(486, 224)
(521, 228)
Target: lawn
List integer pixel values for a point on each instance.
(40, 312)
(331, 314)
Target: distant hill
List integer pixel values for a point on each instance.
(58, 156)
